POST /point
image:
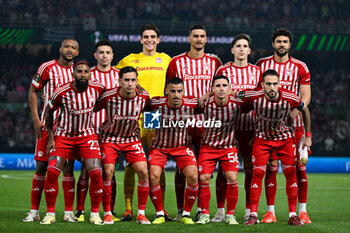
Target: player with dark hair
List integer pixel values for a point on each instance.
(174, 142)
(108, 76)
(151, 67)
(272, 107)
(50, 76)
(74, 132)
(242, 76)
(218, 145)
(295, 77)
(196, 69)
(121, 133)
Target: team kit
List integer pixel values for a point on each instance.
(192, 108)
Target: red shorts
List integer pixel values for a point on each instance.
(299, 132)
(183, 156)
(69, 147)
(41, 147)
(133, 152)
(284, 149)
(208, 156)
(245, 141)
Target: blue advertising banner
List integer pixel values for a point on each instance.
(315, 165)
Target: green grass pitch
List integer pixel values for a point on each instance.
(328, 208)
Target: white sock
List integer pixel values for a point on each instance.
(221, 211)
(141, 212)
(108, 212)
(271, 208)
(51, 213)
(302, 207)
(159, 213)
(206, 215)
(254, 214)
(199, 209)
(184, 213)
(291, 214)
(68, 212)
(34, 211)
(247, 212)
(94, 213)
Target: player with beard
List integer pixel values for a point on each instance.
(196, 68)
(74, 132)
(295, 77)
(48, 78)
(108, 76)
(272, 107)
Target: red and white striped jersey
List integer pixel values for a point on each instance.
(75, 118)
(49, 77)
(242, 78)
(293, 73)
(173, 132)
(271, 117)
(223, 136)
(122, 114)
(196, 73)
(109, 79)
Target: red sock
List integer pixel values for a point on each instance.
(204, 197)
(37, 190)
(247, 181)
(142, 194)
(271, 184)
(180, 184)
(107, 192)
(114, 193)
(51, 188)
(156, 197)
(221, 185)
(68, 185)
(291, 187)
(256, 187)
(302, 183)
(231, 197)
(96, 189)
(190, 197)
(82, 188)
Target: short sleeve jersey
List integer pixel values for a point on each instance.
(195, 72)
(242, 78)
(173, 132)
(151, 70)
(76, 115)
(48, 78)
(272, 116)
(122, 115)
(293, 73)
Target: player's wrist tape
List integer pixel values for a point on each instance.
(308, 134)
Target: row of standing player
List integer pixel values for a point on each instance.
(193, 61)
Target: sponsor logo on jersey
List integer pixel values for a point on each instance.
(196, 77)
(149, 68)
(82, 111)
(132, 118)
(285, 83)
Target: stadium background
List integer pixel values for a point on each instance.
(31, 32)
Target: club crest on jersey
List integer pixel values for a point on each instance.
(137, 109)
(37, 78)
(151, 120)
(92, 99)
(289, 72)
(206, 66)
(252, 77)
(158, 60)
(281, 113)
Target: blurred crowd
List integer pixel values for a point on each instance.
(250, 13)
